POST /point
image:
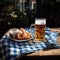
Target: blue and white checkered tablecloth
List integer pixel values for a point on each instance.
(10, 50)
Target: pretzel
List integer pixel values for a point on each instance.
(25, 35)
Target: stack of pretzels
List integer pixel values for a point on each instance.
(23, 34)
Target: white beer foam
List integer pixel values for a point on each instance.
(40, 21)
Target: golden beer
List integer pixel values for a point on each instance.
(40, 29)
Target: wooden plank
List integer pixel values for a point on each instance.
(48, 52)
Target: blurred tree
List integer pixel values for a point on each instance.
(8, 11)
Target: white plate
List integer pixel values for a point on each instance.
(16, 40)
(21, 40)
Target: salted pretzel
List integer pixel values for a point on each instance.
(25, 34)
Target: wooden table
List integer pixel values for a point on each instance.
(41, 55)
(48, 52)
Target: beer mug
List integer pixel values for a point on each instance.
(39, 25)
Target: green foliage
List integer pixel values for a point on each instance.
(9, 12)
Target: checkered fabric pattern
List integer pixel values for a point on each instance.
(11, 50)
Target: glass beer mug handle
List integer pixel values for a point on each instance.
(32, 30)
(32, 25)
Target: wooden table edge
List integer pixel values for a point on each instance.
(48, 52)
